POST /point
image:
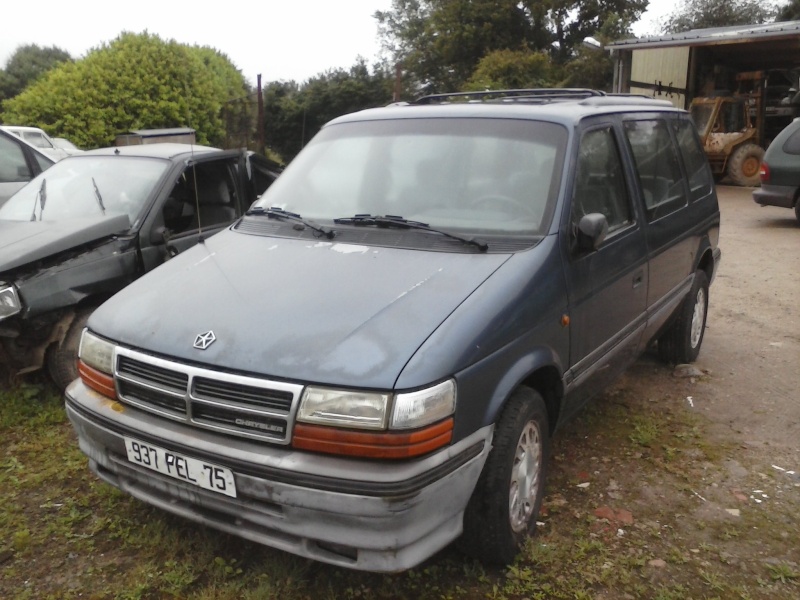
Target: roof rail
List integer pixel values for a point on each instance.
(540, 94)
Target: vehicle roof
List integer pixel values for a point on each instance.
(33, 148)
(21, 128)
(564, 110)
(164, 150)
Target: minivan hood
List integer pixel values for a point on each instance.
(23, 242)
(308, 311)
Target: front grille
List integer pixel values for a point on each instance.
(141, 395)
(167, 378)
(238, 405)
(209, 389)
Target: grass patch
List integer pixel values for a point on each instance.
(64, 534)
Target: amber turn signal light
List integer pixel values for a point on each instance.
(391, 445)
(97, 380)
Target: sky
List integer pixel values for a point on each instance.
(286, 40)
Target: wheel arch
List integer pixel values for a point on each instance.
(540, 370)
(706, 261)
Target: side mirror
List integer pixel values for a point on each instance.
(591, 231)
(162, 235)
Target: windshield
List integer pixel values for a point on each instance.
(488, 176)
(87, 186)
(701, 114)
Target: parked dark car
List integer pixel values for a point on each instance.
(371, 363)
(19, 163)
(96, 221)
(780, 171)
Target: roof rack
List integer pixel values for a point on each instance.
(538, 94)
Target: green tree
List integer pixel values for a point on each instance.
(137, 81)
(789, 12)
(26, 65)
(441, 42)
(512, 69)
(295, 113)
(593, 67)
(702, 14)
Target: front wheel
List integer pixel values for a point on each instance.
(62, 359)
(681, 342)
(502, 511)
(744, 165)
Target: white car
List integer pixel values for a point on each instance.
(19, 163)
(67, 146)
(42, 141)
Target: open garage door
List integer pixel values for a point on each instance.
(661, 73)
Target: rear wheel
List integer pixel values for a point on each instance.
(62, 359)
(681, 342)
(797, 209)
(502, 511)
(744, 165)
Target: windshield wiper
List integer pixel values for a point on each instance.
(397, 221)
(278, 213)
(98, 196)
(41, 195)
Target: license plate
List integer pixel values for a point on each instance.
(191, 470)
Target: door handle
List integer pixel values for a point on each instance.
(638, 278)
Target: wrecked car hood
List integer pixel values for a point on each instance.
(25, 242)
(303, 310)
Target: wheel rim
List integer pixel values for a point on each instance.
(751, 166)
(698, 318)
(525, 477)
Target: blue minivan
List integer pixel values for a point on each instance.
(370, 364)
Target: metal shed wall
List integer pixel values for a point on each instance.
(662, 73)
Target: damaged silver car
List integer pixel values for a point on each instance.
(95, 222)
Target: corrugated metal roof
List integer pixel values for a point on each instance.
(713, 36)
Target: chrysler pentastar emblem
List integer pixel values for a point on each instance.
(204, 340)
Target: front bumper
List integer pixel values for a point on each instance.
(775, 195)
(361, 514)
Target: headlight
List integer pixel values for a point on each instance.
(370, 410)
(9, 301)
(343, 408)
(97, 352)
(410, 424)
(420, 408)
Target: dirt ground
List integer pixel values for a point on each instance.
(752, 343)
(670, 485)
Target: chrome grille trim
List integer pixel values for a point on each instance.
(243, 406)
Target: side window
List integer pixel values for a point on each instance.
(792, 144)
(657, 164)
(43, 162)
(694, 159)
(203, 196)
(600, 182)
(13, 167)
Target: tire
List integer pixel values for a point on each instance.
(502, 511)
(797, 210)
(681, 342)
(744, 165)
(62, 359)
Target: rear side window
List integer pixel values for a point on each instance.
(694, 159)
(659, 172)
(792, 145)
(13, 167)
(600, 183)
